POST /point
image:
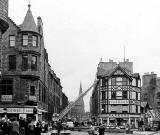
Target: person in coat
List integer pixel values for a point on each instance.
(101, 129)
(15, 127)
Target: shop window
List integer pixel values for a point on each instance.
(124, 94)
(12, 40)
(158, 103)
(6, 86)
(103, 95)
(12, 62)
(136, 95)
(34, 41)
(103, 109)
(24, 62)
(34, 63)
(32, 90)
(113, 81)
(113, 95)
(103, 82)
(158, 95)
(25, 40)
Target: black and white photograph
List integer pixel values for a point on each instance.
(79, 67)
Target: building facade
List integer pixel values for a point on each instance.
(28, 85)
(116, 98)
(65, 101)
(151, 90)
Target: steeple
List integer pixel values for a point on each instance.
(29, 23)
(80, 89)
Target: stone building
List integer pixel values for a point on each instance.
(151, 90)
(116, 98)
(28, 85)
(64, 101)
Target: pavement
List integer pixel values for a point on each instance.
(134, 133)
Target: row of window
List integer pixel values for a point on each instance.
(26, 39)
(6, 87)
(120, 95)
(134, 109)
(25, 62)
(120, 81)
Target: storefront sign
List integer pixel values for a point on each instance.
(118, 115)
(136, 102)
(14, 110)
(28, 110)
(6, 98)
(119, 102)
(17, 110)
(32, 98)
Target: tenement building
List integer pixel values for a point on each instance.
(116, 98)
(28, 85)
(151, 90)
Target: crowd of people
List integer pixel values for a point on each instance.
(14, 126)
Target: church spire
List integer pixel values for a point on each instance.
(80, 89)
(29, 5)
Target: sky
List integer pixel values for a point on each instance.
(78, 33)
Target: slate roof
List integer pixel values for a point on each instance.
(29, 23)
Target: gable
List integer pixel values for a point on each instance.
(118, 72)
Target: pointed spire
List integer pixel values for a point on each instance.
(80, 89)
(29, 5)
(29, 23)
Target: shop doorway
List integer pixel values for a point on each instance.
(119, 121)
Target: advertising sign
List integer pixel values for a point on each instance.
(119, 102)
(6, 98)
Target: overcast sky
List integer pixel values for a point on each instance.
(78, 33)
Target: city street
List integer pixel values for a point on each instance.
(135, 133)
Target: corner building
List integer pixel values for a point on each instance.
(28, 85)
(117, 94)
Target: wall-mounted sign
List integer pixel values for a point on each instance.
(6, 98)
(119, 102)
(28, 110)
(17, 110)
(14, 110)
(136, 102)
(120, 115)
(32, 98)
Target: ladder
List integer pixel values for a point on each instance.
(71, 105)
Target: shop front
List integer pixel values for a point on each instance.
(120, 120)
(9, 112)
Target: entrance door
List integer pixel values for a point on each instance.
(119, 121)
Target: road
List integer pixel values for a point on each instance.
(85, 133)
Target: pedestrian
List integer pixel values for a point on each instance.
(22, 126)
(59, 127)
(38, 129)
(31, 128)
(101, 129)
(14, 127)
